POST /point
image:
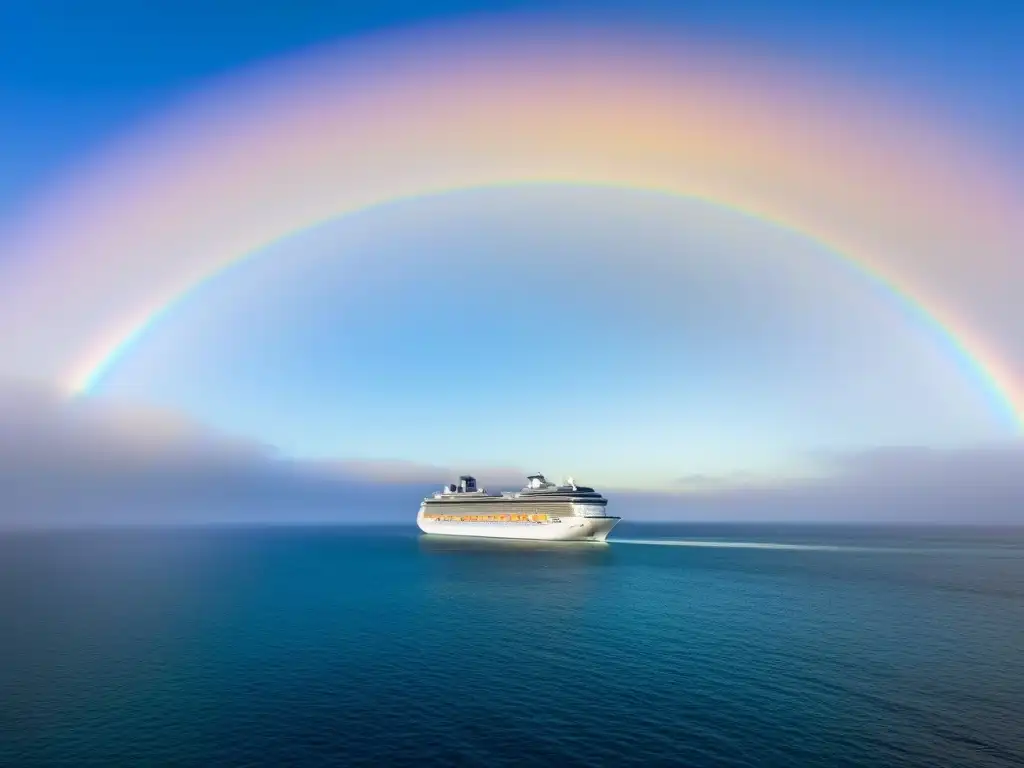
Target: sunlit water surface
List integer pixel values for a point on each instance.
(687, 645)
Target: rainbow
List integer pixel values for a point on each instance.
(290, 145)
(94, 366)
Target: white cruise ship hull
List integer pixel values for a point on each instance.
(566, 528)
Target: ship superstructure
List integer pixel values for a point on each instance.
(540, 510)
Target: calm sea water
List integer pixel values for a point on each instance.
(336, 646)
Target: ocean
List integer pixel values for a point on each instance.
(695, 645)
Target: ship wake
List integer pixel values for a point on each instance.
(739, 545)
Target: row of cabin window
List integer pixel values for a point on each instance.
(491, 518)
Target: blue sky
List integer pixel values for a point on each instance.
(657, 341)
(74, 74)
(624, 335)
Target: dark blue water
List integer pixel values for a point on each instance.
(334, 646)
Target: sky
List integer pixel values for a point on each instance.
(740, 260)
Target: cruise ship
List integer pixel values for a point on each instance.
(541, 511)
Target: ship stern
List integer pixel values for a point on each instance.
(421, 519)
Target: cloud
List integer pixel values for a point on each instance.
(402, 471)
(731, 480)
(983, 484)
(90, 461)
